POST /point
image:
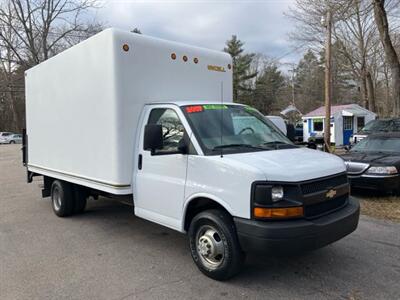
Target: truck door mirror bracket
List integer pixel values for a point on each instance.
(183, 146)
(153, 137)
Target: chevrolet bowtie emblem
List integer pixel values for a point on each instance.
(330, 194)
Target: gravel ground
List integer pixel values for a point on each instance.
(107, 253)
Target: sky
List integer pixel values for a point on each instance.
(261, 24)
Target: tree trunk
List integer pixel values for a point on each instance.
(371, 93)
(391, 55)
(363, 89)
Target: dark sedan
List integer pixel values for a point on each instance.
(374, 163)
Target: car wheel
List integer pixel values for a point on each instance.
(62, 198)
(12, 142)
(214, 244)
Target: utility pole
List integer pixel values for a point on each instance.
(293, 91)
(328, 80)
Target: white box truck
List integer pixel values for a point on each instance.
(126, 115)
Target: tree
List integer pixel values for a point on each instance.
(357, 52)
(267, 88)
(309, 82)
(390, 52)
(241, 67)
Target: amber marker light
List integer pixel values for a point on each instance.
(125, 47)
(173, 56)
(276, 213)
(229, 66)
(185, 58)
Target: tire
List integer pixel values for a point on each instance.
(214, 244)
(12, 142)
(80, 199)
(62, 198)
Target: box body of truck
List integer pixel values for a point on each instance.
(83, 105)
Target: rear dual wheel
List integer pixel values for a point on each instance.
(67, 199)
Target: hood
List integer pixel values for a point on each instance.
(291, 165)
(388, 159)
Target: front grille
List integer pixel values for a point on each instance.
(323, 184)
(355, 168)
(320, 208)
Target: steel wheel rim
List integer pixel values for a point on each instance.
(210, 247)
(56, 199)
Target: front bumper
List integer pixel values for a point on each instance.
(291, 236)
(380, 183)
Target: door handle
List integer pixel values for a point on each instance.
(140, 161)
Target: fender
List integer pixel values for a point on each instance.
(203, 195)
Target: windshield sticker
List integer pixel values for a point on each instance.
(249, 108)
(214, 106)
(194, 109)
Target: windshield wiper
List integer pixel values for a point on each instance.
(277, 143)
(237, 146)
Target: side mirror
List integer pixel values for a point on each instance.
(291, 132)
(153, 137)
(183, 145)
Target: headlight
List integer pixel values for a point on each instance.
(277, 193)
(382, 170)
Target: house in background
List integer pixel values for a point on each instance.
(345, 120)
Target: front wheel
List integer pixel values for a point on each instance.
(12, 142)
(214, 244)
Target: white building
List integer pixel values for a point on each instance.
(345, 120)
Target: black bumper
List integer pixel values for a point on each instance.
(292, 236)
(385, 184)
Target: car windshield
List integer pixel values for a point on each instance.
(381, 125)
(233, 129)
(378, 144)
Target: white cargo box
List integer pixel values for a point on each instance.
(83, 105)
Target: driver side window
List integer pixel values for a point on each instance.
(172, 128)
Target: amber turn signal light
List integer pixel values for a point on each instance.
(272, 213)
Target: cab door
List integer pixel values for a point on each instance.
(160, 177)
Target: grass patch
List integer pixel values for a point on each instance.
(381, 207)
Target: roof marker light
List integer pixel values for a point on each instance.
(125, 47)
(185, 58)
(196, 60)
(173, 56)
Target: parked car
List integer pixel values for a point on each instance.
(374, 162)
(5, 137)
(15, 139)
(299, 132)
(376, 126)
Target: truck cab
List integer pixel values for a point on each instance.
(229, 164)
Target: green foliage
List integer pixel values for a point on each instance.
(242, 74)
(309, 82)
(268, 88)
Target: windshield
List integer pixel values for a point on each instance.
(377, 145)
(381, 125)
(242, 129)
